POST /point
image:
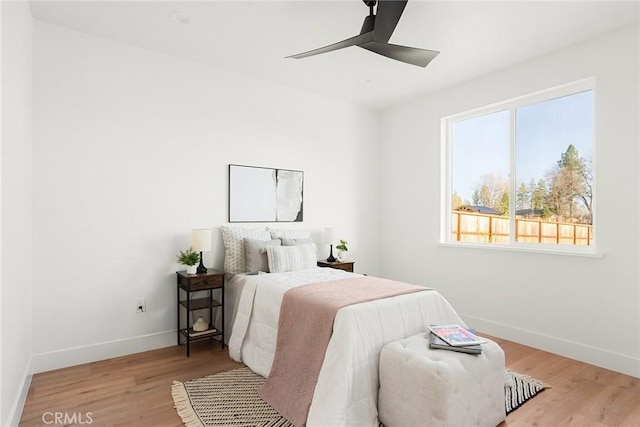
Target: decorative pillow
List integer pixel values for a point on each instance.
(291, 258)
(289, 234)
(296, 242)
(235, 260)
(255, 251)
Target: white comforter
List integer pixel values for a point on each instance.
(347, 389)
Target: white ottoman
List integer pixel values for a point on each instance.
(420, 386)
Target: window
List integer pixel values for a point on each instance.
(520, 173)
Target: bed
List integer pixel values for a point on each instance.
(261, 265)
(347, 387)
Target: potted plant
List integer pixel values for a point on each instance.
(189, 258)
(342, 249)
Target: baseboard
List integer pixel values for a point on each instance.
(21, 396)
(92, 353)
(573, 350)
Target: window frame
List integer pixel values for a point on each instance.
(512, 105)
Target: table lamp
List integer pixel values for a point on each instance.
(201, 242)
(329, 237)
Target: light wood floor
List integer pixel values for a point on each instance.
(135, 390)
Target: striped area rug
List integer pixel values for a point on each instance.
(231, 399)
(226, 399)
(522, 388)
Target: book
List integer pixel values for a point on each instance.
(437, 343)
(193, 333)
(455, 335)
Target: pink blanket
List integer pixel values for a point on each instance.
(304, 330)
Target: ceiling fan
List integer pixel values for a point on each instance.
(375, 34)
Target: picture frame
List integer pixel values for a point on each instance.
(262, 194)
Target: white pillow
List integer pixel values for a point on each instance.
(289, 234)
(291, 258)
(235, 260)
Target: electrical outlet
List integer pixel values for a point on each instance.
(141, 305)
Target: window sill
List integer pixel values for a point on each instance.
(560, 250)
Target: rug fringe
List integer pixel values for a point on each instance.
(183, 406)
(528, 378)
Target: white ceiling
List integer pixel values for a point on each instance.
(253, 38)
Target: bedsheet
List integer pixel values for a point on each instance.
(347, 389)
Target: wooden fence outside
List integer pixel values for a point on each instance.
(483, 228)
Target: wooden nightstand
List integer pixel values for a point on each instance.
(187, 285)
(340, 265)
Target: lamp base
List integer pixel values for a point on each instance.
(331, 257)
(201, 267)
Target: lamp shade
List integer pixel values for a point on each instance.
(329, 235)
(201, 239)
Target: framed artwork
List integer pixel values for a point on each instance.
(258, 194)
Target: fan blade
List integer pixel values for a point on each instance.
(387, 16)
(353, 41)
(410, 55)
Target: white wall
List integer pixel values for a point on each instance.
(584, 308)
(15, 225)
(130, 151)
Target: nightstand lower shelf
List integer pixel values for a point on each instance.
(193, 335)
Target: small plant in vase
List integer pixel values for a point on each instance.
(189, 258)
(342, 250)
